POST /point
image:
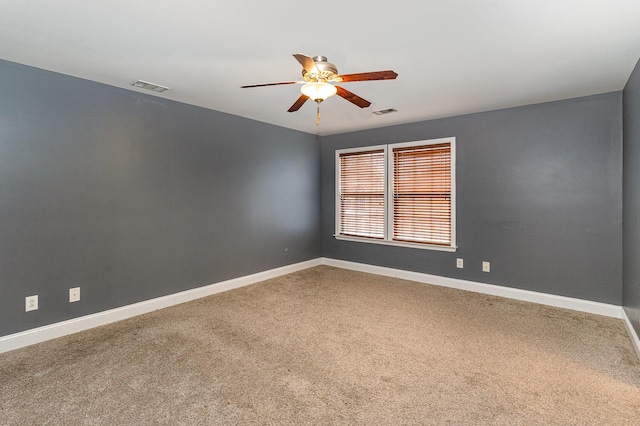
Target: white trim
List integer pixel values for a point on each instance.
(454, 195)
(395, 243)
(360, 149)
(495, 290)
(388, 195)
(52, 331)
(635, 340)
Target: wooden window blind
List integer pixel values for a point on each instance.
(362, 194)
(422, 194)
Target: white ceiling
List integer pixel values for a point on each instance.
(452, 56)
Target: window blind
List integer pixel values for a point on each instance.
(422, 194)
(362, 192)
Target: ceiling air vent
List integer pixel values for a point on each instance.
(149, 86)
(385, 111)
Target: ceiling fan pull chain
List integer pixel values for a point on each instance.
(318, 116)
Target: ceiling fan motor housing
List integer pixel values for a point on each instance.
(326, 70)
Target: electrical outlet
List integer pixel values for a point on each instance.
(486, 266)
(286, 252)
(459, 263)
(31, 303)
(74, 294)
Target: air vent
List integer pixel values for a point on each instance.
(149, 86)
(385, 111)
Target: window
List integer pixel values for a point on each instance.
(399, 194)
(362, 184)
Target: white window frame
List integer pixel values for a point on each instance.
(388, 198)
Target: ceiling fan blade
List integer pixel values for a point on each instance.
(352, 97)
(297, 104)
(268, 84)
(307, 62)
(368, 76)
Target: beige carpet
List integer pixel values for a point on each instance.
(329, 346)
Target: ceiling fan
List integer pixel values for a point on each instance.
(319, 81)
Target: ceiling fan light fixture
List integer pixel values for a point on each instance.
(318, 91)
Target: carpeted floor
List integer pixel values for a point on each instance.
(329, 346)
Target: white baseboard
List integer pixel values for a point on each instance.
(635, 340)
(63, 328)
(52, 331)
(495, 290)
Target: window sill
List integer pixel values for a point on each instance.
(397, 243)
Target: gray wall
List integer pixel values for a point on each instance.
(631, 193)
(539, 194)
(130, 196)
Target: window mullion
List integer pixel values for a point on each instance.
(389, 195)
